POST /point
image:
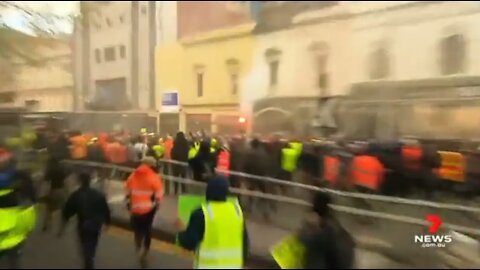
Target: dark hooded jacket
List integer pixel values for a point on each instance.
(203, 164)
(190, 239)
(328, 245)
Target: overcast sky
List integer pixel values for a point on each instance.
(16, 20)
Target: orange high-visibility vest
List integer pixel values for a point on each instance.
(79, 147)
(168, 148)
(144, 188)
(331, 167)
(368, 172)
(412, 157)
(223, 162)
(452, 167)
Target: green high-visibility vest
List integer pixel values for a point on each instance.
(222, 244)
(15, 223)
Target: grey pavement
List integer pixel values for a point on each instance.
(44, 250)
(391, 239)
(263, 235)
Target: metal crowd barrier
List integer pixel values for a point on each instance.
(467, 216)
(379, 227)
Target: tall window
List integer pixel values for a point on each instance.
(200, 84)
(199, 73)
(379, 62)
(98, 56)
(234, 81)
(122, 51)
(322, 75)
(109, 54)
(273, 60)
(320, 53)
(233, 70)
(452, 54)
(274, 72)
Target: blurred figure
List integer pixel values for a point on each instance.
(55, 175)
(158, 148)
(141, 147)
(133, 159)
(95, 151)
(57, 146)
(168, 144)
(223, 160)
(216, 231)
(91, 208)
(17, 211)
(256, 163)
(78, 146)
(144, 191)
(117, 152)
(237, 153)
(202, 164)
(328, 245)
(180, 153)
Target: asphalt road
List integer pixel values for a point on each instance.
(115, 251)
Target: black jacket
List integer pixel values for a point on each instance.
(55, 174)
(89, 205)
(327, 247)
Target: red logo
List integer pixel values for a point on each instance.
(435, 221)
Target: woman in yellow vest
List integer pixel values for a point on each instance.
(216, 231)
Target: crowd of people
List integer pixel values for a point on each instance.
(216, 231)
(390, 168)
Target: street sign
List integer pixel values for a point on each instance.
(170, 102)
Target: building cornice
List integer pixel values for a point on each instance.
(219, 34)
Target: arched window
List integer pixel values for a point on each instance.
(273, 59)
(320, 53)
(452, 54)
(379, 62)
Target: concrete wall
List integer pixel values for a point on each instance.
(412, 35)
(50, 83)
(106, 36)
(297, 73)
(117, 34)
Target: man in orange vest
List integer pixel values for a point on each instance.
(78, 146)
(223, 162)
(331, 166)
(144, 190)
(367, 172)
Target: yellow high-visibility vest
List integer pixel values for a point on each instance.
(222, 244)
(192, 153)
(15, 223)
